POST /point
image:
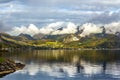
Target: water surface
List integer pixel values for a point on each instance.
(66, 65)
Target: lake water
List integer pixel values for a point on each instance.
(66, 65)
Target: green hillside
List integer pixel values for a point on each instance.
(92, 41)
(96, 41)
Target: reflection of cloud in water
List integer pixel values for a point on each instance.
(51, 72)
(56, 70)
(62, 70)
(91, 69)
(114, 70)
(31, 69)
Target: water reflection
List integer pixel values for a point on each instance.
(68, 64)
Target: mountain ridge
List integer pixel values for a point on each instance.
(93, 40)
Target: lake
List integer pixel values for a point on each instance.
(66, 65)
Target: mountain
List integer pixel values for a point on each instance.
(60, 29)
(20, 37)
(3, 42)
(5, 35)
(55, 37)
(39, 36)
(71, 38)
(24, 37)
(96, 41)
(93, 40)
(6, 39)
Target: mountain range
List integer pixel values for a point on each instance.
(73, 40)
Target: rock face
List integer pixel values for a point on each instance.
(9, 66)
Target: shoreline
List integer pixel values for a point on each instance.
(9, 66)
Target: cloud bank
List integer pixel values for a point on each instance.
(111, 28)
(53, 29)
(59, 28)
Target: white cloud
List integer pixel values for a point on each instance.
(51, 27)
(58, 28)
(31, 29)
(50, 70)
(89, 28)
(68, 27)
(112, 28)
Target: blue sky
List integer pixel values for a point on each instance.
(41, 12)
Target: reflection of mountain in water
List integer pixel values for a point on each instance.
(66, 56)
(68, 63)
